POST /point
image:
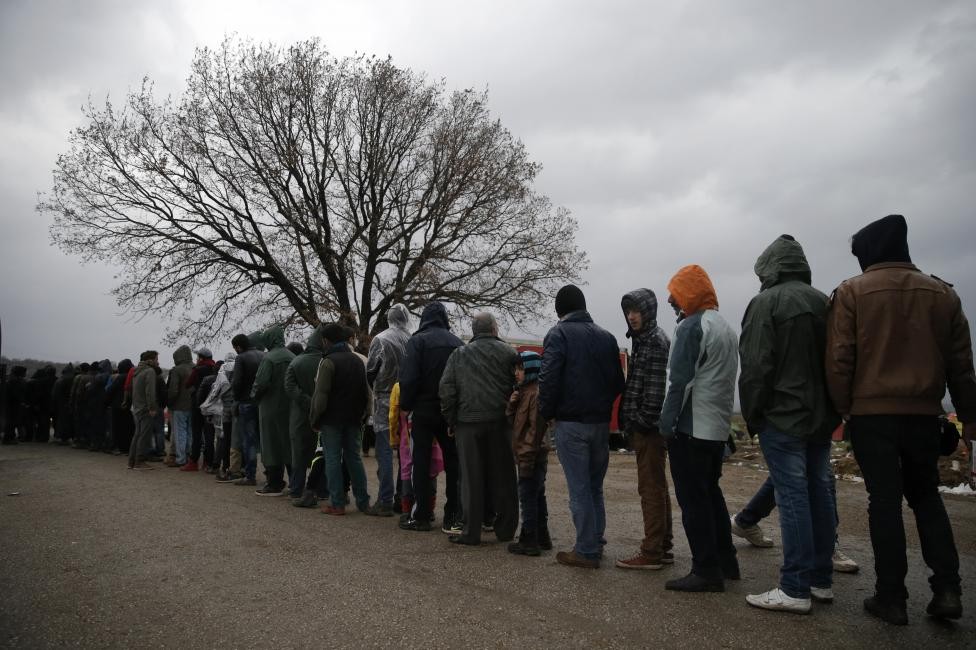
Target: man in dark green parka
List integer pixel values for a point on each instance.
(274, 408)
(783, 393)
(299, 384)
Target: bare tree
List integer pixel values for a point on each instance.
(290, 186)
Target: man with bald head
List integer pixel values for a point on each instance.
(474, 391)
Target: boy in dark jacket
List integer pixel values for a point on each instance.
(531, 457)
(579, 381)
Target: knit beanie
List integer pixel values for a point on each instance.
(532, 364)
(569, 299)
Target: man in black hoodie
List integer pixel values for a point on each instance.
(424, 359)
(896, 338)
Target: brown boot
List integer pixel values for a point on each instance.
(572, 558)
(170, 462)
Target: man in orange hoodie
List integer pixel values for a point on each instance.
(696, 418)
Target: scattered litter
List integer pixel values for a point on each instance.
(962, 488)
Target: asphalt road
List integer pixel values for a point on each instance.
(94, 555)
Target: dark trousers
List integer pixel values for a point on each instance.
(487, 465)
(222, 459)
(209, 433)
(426, 429)
(898, 456)
(140, 441)
(197, 422)
(532, 499)
(696, 467)
(123, 428)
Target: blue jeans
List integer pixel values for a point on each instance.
(584, 453)
(247, 421)
(344, 443)
(801, 474)
(179, 422)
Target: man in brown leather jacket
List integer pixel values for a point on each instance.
(895, 339)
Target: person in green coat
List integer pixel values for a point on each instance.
(274, 408)
(299, 384)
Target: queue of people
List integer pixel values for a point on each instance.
(878, 354)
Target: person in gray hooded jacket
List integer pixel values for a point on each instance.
(382, 369)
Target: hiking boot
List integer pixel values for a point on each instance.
(271, 491)
(889, 611)
(307, 500)
(639, 561)
(191, 466)
(527, 544)
(379, 510)
(752, 534)
(140, 466)
(574, 559)
(170, 462)
(245, 481)
(667, 558)
(415, 524)
(329, 509)
(844, 564)
(777, 600)
(822, 595)
(545, 540)
(945, 605)
(696, 584)
(463, 541)
(452, 527)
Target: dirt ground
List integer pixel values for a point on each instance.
(97, 556)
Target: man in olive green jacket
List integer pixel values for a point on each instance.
(783, 393)
(274, 407)
(300, 384)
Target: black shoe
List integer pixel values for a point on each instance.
(307, 500)
(415, 524)
(272, 491)
(464, 541)
(693, 583)
(545, 541)
(380, 510)
(893, 612)
(945, 604)
(450, 527)
(526, 545)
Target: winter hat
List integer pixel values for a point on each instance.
(884, 240)
(569, 299)
(204, 352)
(148, 354)
(531, 362)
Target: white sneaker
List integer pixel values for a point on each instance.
(753, 534)
(844, 564)
(776, 600)
(822, 594)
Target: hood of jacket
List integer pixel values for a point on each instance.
(273, 337)
(315, 344)
(884, 240)
(125, 365)
(398, 316)
(68, 370)
(434, 315)
(782, 260)
(257, 340)
(644, 301)
(182, 355)
(105, 367)
(229, 360)
(692, 289)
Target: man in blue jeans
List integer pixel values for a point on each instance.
(783, 394)
(579, 381)
(249, 355)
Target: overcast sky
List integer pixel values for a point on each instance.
(675, 132)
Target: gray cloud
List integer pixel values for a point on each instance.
(675, 132)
